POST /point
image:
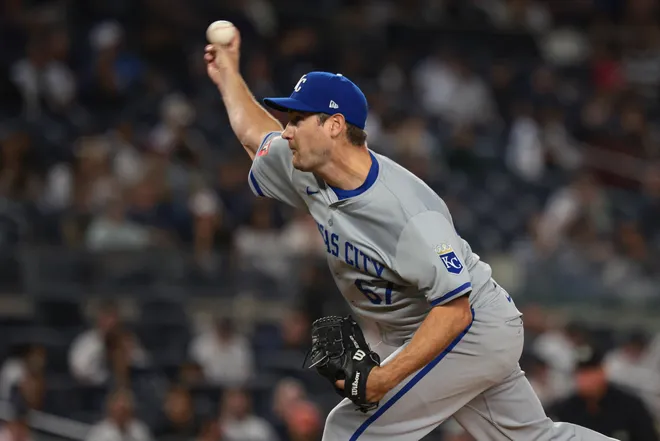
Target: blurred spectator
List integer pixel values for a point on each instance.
(561, 149)
(618, 133)
(45, 84)
(641, 61)
(631, 243)
(295, 329)
(635, 367)
(178, 419)
(579, 212)
(119, 423)
(122, 354)
(318, 294)
(233, 192)
(606, 69)
(114, 72)
(558, 349)
(128, 164)
(237, 421)
(208, 228)
(650, 210)
(537, 322)
(211, 431)
(546, 90)
(549, 384)
(286, 394)
(461, 152)
(301, 236)
(94, 170)
(149, 204)
(262, 238)
(449, 88)
(558, 346)
(634, 127)
(224, 355)
(190, 374)
(173, 138)
(258, 73)
(526, 15)
(88, 354)
(634, 261)
(289, 350)
(113, 232)
(413, 139)
(601, 406)
(502, 76)
(30, 360)
(565, 46)
(597, 112)
(304, 422)
(81, 190)
(16, 428)
(525, 153)
(31, 392)
(20, 166)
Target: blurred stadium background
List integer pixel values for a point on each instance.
(139, 275)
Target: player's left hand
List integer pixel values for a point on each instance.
(339, 350)
(377, 385)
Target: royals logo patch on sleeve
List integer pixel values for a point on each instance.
(263, 151)
(449, 258)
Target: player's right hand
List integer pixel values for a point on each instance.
(222, 59)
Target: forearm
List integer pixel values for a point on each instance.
(249, 120)
(442, 325)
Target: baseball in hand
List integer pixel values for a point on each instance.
(220, 32)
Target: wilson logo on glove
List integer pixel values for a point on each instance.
(355, 383)
(359, 355)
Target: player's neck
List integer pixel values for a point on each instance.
(348, 168)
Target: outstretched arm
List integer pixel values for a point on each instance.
(249, 120)
(440, 329)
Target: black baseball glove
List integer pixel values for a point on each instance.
(340, 352)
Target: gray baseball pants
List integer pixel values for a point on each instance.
(477, 380)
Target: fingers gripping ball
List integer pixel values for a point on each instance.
(340, 352)
(220, 32)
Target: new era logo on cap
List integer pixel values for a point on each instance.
(318, 92)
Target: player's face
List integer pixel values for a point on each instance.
(308, 141)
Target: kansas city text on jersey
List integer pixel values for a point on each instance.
(349, 252)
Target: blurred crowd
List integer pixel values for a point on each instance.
(156, 380)
(163, 376)
(536, 120)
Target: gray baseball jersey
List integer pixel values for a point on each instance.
(392, 247)
(394, 254)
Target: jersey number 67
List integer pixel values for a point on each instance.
(373, 296)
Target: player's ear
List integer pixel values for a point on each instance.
(337, 124)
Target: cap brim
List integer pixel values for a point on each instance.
(286, 104)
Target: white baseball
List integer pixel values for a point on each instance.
(220, 32)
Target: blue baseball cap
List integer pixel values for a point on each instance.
(324, 92)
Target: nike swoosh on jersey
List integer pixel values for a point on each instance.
(310, 192)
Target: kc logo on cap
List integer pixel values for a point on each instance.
(325, 92)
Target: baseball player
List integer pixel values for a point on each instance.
(450, 338)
